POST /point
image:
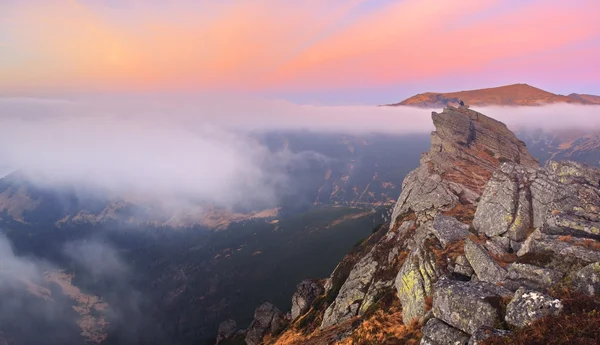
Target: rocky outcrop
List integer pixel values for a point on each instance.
(528, 306)
(481, 234)
(267, 319)
(370, 275)
(307, 291)
(466, 148)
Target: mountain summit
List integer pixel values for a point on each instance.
(485, 247)
(516, 95)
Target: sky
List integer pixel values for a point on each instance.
(311, 51)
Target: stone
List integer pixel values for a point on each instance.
(437, 332)
(505, 206)
(226, 330)
(448, 229)
(484, 333)
(463, 267)
(484, 266)
(467, 305)
(414, 282)
(267, 319)
(587, 279)
(533, 277)
(529, 305)
(538, 243)
(307, 291)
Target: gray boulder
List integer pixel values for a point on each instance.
(449, 229)
(539, 242)
(467, 305)
(533, 277)
(437, 332)
(307, 291)
(463, 267)
(484, 333)
(267, 319)
(414, 282)
(529, 305)
(226, 330)
(587, 280)
(484, 266)
(505, 206)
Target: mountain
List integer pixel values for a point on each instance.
(485, 246)
(514, 95)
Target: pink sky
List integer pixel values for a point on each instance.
(369, 51)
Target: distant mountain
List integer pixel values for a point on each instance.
(517, 95)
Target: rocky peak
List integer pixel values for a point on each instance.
(483, 242)
(466, 148)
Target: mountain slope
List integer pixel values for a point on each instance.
(516, 95)
(481, 250)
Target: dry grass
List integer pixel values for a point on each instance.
(577, 325)
(452, 251)
(385, 327)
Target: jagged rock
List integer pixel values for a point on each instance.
(437, 332)
(307, 291)
(449, 229)
(226, 330)
(587, 280)
(267, 319)
(466, 148)
(484, 266)
(484, 333)
(463, 267)
(415, 282)
(539, 243)
(529, 305)
(365, 281)
(531, 276)
(467, 305)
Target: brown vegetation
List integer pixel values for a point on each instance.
(577, 325)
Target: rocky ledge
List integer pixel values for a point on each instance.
(483, 243)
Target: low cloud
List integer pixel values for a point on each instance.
(202, 148)
(36, 292)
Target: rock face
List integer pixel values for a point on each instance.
(528, 306)
(369, 276)
(267, 319)
(466, 148)
(305, 294)
(414, 282)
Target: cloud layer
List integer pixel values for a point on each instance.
(203, 149)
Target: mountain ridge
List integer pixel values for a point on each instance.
(510, 95)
